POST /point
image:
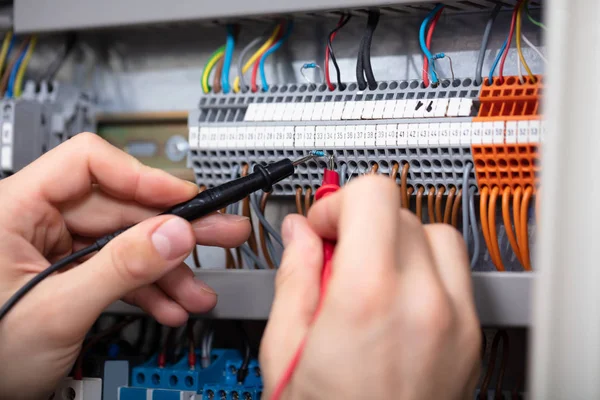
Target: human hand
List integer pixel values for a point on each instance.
(398, 320)
(82, 190)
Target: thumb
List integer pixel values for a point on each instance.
(296, 296)
(137, 257)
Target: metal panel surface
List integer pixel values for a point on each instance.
(502, 298)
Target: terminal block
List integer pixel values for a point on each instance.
(26, 131)
(433, 130)
(181, 377)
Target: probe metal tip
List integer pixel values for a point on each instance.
(310, 156)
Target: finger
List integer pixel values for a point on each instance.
(192, 294)
(156, 303)
(451, 260)
(98, 213)
(324, 215)
(366, 222)
(296, 295)
(222, 230)
(140, 256)
(116, 173)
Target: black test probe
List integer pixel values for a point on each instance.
(204, 203)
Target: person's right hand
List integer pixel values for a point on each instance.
(398, 321)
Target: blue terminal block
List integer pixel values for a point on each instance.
(131, 393)
(231, 392)
(179, 376)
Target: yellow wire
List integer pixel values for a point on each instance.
(21, 73)
(251, 60)
(209, 67)
(4, 51)
(519, 13)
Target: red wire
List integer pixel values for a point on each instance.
(428, 44)
(510, 36)
(331, 37)
(254, 86)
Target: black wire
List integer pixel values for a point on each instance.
(372, 23)
(142, 336)
(243, 371)
(341, 85)
(43, 275)
(53, 69)
(360, 72)
(156, 339)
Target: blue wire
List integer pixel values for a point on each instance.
(13, 73)
(263, 77)
(496, 61)
(426, 21)
(229, 46)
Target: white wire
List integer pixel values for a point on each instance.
(534, 48)
(519, 72)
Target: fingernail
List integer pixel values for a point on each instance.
(203, 286)
(212, 220)
(172, 239)
(287, 231)
(192, 184)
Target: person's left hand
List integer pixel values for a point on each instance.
(83, 190)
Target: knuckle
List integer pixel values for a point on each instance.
(87, 140)
(376, 185)
(440, 233)
(434, 315)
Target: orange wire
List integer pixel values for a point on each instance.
(517, 216)
(524, 245)
(299, 200)
(510, 233)
(394, 171)
(410, 191)
(456, 209)
(493, 233)
(403, 185)
(449, 203)
(430, 205)
(374, 168)
(307, 200)
(438, 204)
(483, 215)
(419, 207)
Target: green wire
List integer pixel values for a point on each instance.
(533, 20)
(214, 57)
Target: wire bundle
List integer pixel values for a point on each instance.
(228, 58)
(210, 64)
(430, 67)
(261, 63)
(432, 26)
(363, 62)
(501, 56)
(329, 54)
(484, 43)
(252, 60)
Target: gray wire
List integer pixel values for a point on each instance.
(474, 227)
(344, 173)
(268, 240)
(484, 43)
(264, 221)
(248, 252)
(465, 202)
(245, 51)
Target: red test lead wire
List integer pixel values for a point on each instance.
(331, 183)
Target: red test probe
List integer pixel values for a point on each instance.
(331, 183)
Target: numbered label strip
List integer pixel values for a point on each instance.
(366, 136)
